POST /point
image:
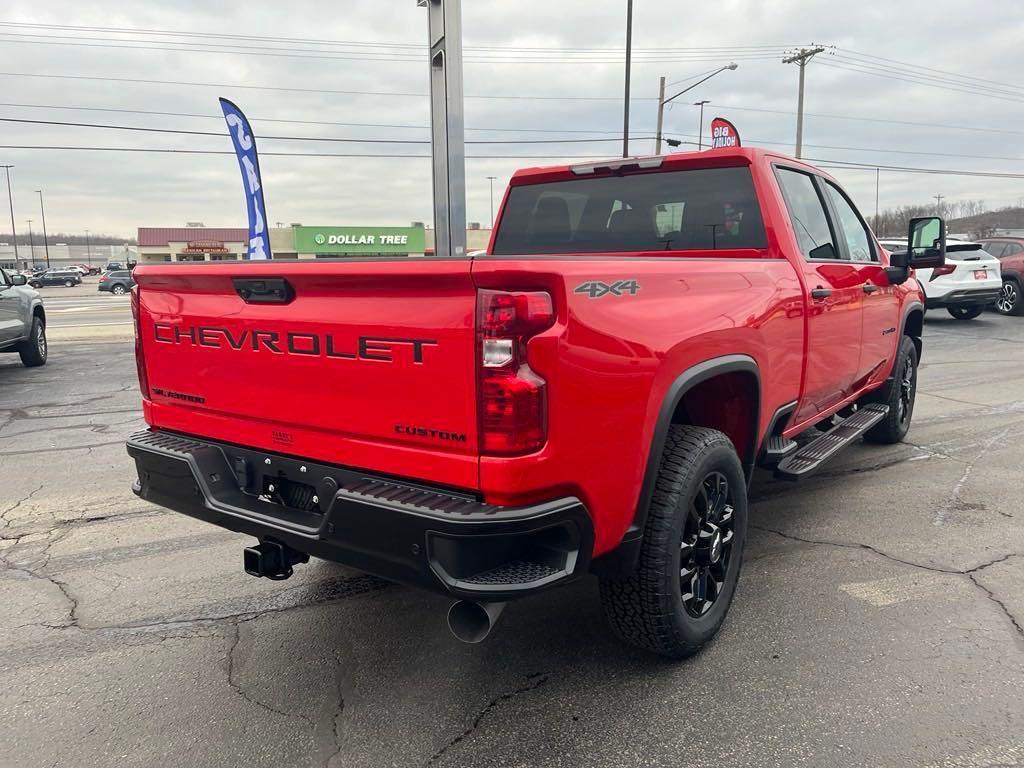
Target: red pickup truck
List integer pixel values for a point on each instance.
(591, 395)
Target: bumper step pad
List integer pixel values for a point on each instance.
(820, 450)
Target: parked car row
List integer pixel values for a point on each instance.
(976, 276)
(116, 277)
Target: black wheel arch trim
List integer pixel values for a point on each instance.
(909, 309)
(623, 559)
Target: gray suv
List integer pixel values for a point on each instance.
(22, 320)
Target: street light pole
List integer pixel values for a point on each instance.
(10, 198)
(46, 243)
(88, 248)
(31, 247)
(801, 58)
(662, 101)
(700, 135)
(629, 59)
(491, 180)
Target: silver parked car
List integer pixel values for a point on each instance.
(22, 319)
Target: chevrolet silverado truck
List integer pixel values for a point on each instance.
(591, 395)
(22, 320)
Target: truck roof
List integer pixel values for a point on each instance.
(711, 157)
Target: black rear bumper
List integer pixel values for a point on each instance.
(445, 541)
(964, 298)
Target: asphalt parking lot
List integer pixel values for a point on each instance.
(879, 619)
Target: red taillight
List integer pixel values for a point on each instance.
(104, 279)
(945, 269)
(140, 361)
(513, 413)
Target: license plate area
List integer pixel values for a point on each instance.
(291, 494)
(981, 274)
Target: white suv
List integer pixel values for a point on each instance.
(970, 280)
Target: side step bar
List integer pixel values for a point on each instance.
(805, 461)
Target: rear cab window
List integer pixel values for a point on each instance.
(679, 210)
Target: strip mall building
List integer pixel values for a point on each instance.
(295, 242)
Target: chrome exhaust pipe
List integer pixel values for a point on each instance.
(471, 622)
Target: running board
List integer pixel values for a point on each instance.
(818, 451)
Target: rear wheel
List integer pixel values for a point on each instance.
(965, 313)
(34, 350)
(1010, 301)
(899, 394)
(69, 283)
(118, 290)
(692, 549)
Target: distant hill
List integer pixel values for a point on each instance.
(985, 224)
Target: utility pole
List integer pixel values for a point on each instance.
(662, 101)
(878, 221)
(938, 203)
(801, 58)
(31, 246)
(629, 61)
(447, 126)
(46, 243)
(10, 198)
(700, 133)
(88, 248)
(661, 115)
(491, 180)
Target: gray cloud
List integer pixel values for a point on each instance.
(116, 192)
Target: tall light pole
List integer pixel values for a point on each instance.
(10, 198)
(662, 101)
(31, 246)
(629, 61)
(801, 57)
(700, 134)
(491, 180)
(46, 243)
(88, 248)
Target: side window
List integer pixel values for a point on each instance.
(807, 212)
(1012, 249)
(858, 240)
(996, 249)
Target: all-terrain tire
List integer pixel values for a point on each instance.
(899, 393)
(34, 350)
(649, 608)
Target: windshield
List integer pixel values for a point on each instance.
(707, 209)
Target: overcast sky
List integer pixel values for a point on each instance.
(116, 192)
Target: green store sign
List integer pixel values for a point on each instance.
(359, 240)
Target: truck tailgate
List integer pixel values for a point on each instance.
(364, 363)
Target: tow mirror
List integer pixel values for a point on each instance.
(927, 240)
(926, 249)
(18, 280)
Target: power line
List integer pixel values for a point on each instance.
(871, 57)
(363, 43)
(236, 86)
(380, 56)
(821, 162)
(180, 131)
(218, 117)
(894, 76)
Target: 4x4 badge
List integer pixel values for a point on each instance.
(595, 289)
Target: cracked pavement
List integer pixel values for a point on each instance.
(878, 620)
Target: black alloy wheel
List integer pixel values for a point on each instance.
(706, 549)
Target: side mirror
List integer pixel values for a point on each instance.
(926, 238)
(18, 280)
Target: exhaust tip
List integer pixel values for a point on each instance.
(472, 622)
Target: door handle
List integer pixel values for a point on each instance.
(869, 288)
(821, 293)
